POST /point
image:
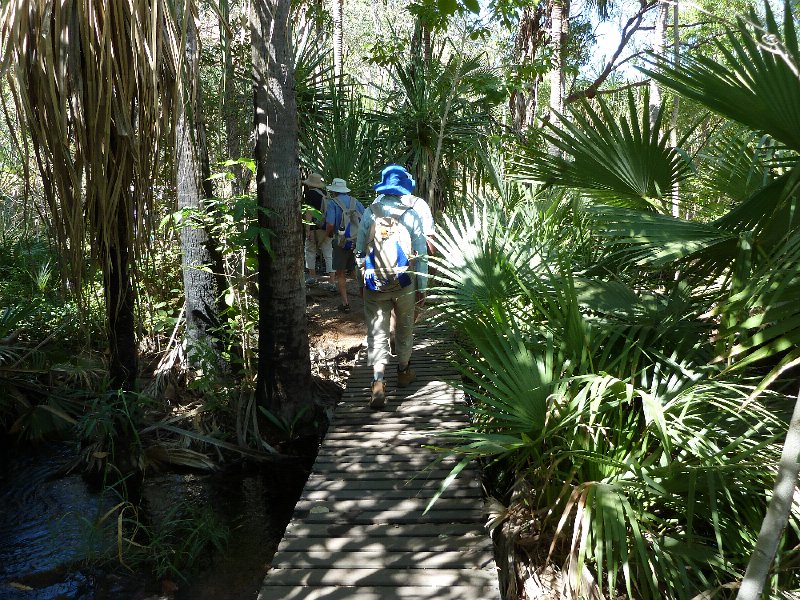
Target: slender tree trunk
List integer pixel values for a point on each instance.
(525, 101)
(557, 17)
(378, 73)
(676, 55)
(337, 11)
(658, 46)
(777, 516)
(120, 304)
(427, 47)
(284, 368)
(232, 105)
(199, 283)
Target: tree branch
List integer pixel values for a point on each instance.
(635, 84)
(631, 27)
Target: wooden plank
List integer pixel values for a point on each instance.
(320, 484)
(451, 559)
(379, 504)
(350, 452)
(404, 460)
(381, 472)
(322, 476)
(383, 577)
(424, 494)
(357, 434)
(387, 544)
(397, 424)
(275, 592)
(411, 442)
(435, 531)
(389, 517)
(357, 417)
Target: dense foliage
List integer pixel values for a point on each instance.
(621, 275)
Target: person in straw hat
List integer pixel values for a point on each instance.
(342, 217)
(316, 236)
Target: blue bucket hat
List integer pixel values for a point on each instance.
(395, 180)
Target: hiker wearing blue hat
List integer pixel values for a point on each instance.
(392, 255)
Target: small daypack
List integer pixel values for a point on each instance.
(389, 256)
(347, 228)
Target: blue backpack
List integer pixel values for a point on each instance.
(389, 256)
(347, 229)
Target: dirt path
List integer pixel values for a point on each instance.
(334, 337)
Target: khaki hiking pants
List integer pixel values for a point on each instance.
(319, 242)
(377, 312)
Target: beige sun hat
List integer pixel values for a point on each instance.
(315, 180)
(338, 185)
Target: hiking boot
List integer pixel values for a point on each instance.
(378, 398)
(407, 377)
(311, 281)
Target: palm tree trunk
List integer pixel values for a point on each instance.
(284, 368)
(337, 10)
(200, 288)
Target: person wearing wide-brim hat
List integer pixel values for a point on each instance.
(316, 236)
(379, 302)
(342, 218)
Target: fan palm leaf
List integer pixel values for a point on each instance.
(736, 163)
(757, 82)
(620, 160)
(345, 146)
(766, 311)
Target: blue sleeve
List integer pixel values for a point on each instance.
(330, 214)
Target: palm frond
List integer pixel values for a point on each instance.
(619, 160)
(756, 82)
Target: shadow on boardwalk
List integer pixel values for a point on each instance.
(360, 530)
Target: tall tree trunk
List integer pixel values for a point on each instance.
(658, 46)
(232, 105)
(120, 301)
(284, 368)
(559, 20)
(524, 101)
(378, 74)
(199, 283)
(676, 55)
(337, 11)
(777, 517)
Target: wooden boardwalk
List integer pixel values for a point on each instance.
(358, 531)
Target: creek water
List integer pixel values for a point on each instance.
(47, 541)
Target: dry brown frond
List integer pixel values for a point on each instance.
(97, 83)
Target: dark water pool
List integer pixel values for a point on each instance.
(46, 537)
